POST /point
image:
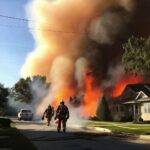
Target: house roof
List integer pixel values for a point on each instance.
(140, 87)
(130, 102)
(131, 92)
(139, 100)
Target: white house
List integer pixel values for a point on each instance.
(133, 104)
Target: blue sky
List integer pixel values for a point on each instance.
(15, 41)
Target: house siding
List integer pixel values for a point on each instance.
(145, 111)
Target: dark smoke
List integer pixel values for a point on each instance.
(105, 55)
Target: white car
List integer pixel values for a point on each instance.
(25, 114)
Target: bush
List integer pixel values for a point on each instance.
(94, 118)
(103, 112)
(4, 122)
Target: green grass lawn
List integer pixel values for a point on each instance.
(122, 127)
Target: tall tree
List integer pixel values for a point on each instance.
(24, 90)
(21, 90)
(4, 92)
(136, 58)
(103, 110)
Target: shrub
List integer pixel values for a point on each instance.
(4, 122)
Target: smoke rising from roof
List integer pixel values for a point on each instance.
(78, 38)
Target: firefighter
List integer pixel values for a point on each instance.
(62, 114)
(48, 114)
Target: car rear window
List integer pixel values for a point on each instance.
(26, 111)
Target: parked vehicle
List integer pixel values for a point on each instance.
(25, 114)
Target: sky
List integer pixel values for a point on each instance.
(16, 41)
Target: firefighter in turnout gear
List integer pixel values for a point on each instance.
(62, 114)
(48, 114)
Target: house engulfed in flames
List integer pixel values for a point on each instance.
(133, 104)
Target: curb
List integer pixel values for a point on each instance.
(130, 136)
(145, 137)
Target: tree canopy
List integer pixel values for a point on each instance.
(136, 58)
(4, 92)
(23, 91)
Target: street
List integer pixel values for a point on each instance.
(46, 138)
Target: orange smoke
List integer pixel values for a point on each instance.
(60, 26)
(60, 29)
(125, 80)
(91, 97)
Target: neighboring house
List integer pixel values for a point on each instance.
(133, 104)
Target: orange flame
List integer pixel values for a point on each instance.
(125, 80)
(91, 97)
(64, 95)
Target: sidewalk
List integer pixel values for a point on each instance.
(120, 134)
(132, 137)
(145, 137)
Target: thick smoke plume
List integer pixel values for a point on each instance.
(77, 42)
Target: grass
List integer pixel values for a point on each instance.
(139, 129)
(11, 138)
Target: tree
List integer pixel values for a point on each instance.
(136, 58)
(103, 110)
(23, 90)
(4, 92)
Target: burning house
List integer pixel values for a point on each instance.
(133, 104)
(77, 43)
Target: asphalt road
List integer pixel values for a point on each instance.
(46, 138)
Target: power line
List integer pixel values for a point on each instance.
(47, 29)
(15, 18)
(44, 29)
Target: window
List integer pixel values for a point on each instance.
(121, 108)
(117, 108)
(26, 111)
(147, 107)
